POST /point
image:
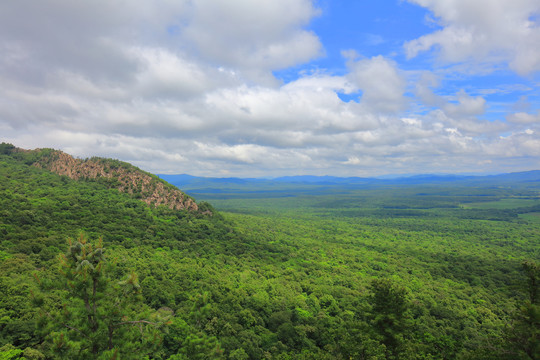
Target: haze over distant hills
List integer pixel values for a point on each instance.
(532, 176)
(300, 267)
(307, 183)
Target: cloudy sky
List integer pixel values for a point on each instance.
(276, 87)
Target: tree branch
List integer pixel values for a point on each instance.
(75, 329)
(136, 322)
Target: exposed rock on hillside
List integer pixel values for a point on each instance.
(117, 174)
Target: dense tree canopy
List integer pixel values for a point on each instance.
(328, 276)
(97, 316)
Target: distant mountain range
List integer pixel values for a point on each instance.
(153, 190)
(200, 185)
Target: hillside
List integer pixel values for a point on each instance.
(115, 174)
(387, 274)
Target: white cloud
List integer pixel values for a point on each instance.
(484, 30)
(164, 74)
(524, 118)
(461, 110)
(167, 86)
(466, 106)
(381, 83)
(424, 89)
(257, 36)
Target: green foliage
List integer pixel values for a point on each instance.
(427, 273)
(389, 306)
(532, 271)
(188, 342)
(9, 352)
(524, 334)
(98, 317)
(6, 149)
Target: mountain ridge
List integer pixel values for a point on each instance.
(117, 174)
(501, 179)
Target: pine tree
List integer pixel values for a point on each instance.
(524, 335)
(98, 317)
(389, 315)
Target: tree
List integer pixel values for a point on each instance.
(99, 317)
(187, 342)
(389, 314)
(524, 335)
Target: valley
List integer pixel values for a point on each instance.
(260, 269)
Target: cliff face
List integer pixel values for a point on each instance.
(120, 175)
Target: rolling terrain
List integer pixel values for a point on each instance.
(292, 268)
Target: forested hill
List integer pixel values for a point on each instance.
(89, 271)
(41, 210)
(112, 173)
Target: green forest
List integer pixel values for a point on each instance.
(429, 271)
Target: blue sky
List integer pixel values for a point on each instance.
(276, 87)
(373, 28)
(370, 27)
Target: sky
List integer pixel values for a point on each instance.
(263, 88)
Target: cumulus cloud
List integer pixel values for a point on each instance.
(466, 105)
(188, 87)
(459, 110)
(257, 36)
(381, 83)
(483, 31)
(164, 74)
(458, 106)
(525, 118)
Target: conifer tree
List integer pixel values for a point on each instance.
(524, 335)
(390, 307)
(98, 317)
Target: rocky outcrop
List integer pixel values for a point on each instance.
(120, 175)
